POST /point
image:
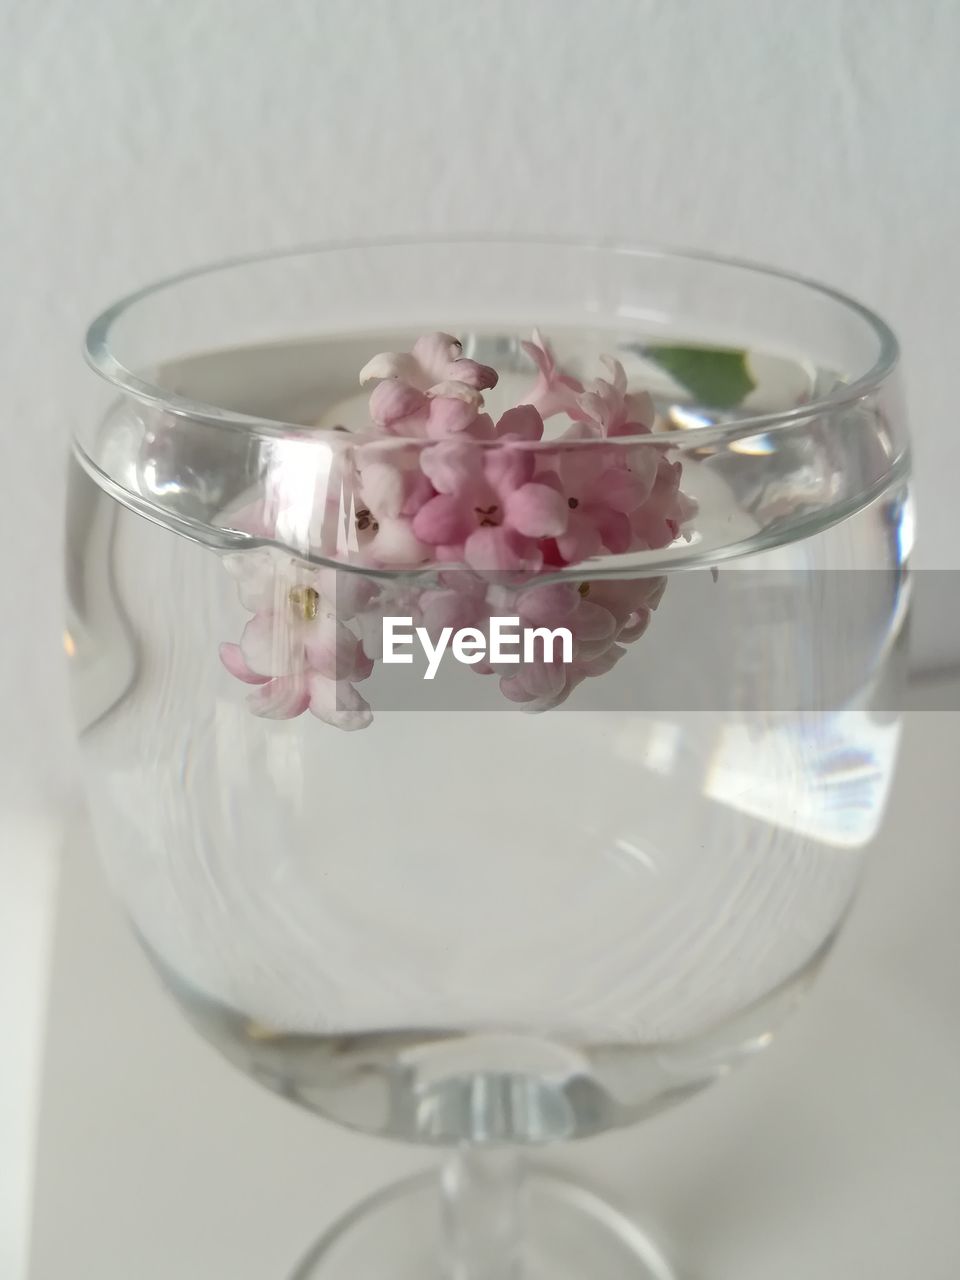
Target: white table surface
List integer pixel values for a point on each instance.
(835, 1155)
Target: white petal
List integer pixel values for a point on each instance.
(390, 364)
(338, 703)
(453, 390)
(396, 544)
(382, 488)
(280, 699)
(255, 573)
(271, 644)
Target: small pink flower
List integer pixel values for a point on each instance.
(553, 392)
(286, 697)
(287, 641)
(447, 410)
(658, 521)
(432, 391)
(435, 358)
(478, 496)
(607, 406)
(295, 650)
(602, 488)
(386, 501)
(489, 510)
(629, 601)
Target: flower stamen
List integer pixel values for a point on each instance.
(305, 602)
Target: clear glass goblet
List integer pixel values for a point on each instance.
(463, 924)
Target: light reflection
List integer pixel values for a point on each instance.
(654, 744)
(906, 529)
(296, 488)
(826, 778)
(758, 446)
(645, 859)
(688, 419)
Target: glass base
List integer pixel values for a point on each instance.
(569, 1234)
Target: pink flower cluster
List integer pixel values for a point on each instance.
(485, 508)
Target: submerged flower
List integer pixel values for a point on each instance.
(295, 650)
(440, 483)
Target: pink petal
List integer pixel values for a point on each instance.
(592, 623)
(346, 592)
(481, 428)
(622, 490)
(592, 405)
(338, 703)
(540, 353)
(507, 468)
(393, 402)
(635, 626)
(619, 378)
(448, 553)
(580, 469)
(614, 528)
(232, 659)
(623, 596)
(370, 628)
(444, 520)
(448, 609)
(543, 679)
(331, 648)
(449, 415)
(588, 651)
(552, 392)
(640, 412)
(500, 550)
(513, 688)
(451, 465)
(434, 353)
(418, 490)
(270, 644)
(603, 662)
(580, 541)
(480, 376)
(548, 605)
(537, 511)
(280, 699)
(522, 423)
(549, 478)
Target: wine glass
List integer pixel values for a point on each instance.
(409, 904)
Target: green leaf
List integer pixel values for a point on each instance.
(715, 376)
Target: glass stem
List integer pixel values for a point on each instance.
(482, 1218)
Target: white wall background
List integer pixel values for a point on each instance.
(140, 136)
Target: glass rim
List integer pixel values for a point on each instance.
(100, 356)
